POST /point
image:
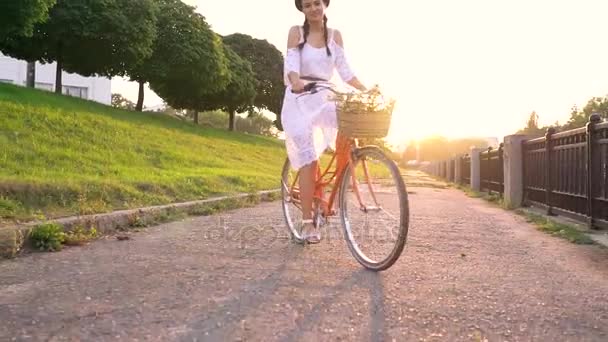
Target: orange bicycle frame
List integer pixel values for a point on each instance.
(342, 159)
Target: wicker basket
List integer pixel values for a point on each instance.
(364, 124)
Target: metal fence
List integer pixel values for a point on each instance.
(466, 169)
(567, 172)
(451, 170)
(492, 170)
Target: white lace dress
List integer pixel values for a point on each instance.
(309, 121)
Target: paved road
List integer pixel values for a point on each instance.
(470, 272)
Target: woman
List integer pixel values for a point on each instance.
(314, 51)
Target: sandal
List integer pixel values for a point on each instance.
(308, 237)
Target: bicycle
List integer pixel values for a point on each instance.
(348, 178)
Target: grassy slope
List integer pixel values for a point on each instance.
(61, 156)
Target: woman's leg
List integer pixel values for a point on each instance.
(307, 188)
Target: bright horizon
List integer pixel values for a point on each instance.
(467, 68)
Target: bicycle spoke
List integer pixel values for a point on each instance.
(376, 236)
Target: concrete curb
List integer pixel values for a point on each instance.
(14, 239)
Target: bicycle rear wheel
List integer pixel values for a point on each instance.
(290, 201)
(374, 209)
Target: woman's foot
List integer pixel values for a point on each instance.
(310, 233)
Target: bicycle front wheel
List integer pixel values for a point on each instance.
(374, 209)
(290, 201)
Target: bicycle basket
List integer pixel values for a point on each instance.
(364, 115)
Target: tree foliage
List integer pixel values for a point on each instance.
(19, 17)
(410, 152)
(94, 37)
(579, 118)
(532, 128)
(239, 94)
(90, 37)
(267, 64)
(188, 61)
(170, 14)
(118, 101)
(254, 123)
(441, 148)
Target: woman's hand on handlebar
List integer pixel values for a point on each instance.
(297, 87)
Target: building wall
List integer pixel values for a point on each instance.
(92, 88)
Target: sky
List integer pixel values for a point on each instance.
(456, 68)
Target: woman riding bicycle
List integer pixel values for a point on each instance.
(314, 51)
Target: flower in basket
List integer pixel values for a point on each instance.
(364, 114)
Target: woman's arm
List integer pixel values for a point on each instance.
(354, 82)
(292, 60)
(344, 69)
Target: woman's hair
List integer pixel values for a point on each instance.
(325, 35)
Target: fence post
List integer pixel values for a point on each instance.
(500, 168)
(593, 120)
(458, 170)
(488, 172)
(513, 160)
(450, 175)
(467, 167)
(548, 169)
(452, 163)
(476, 168)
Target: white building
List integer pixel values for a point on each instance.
(98, 89)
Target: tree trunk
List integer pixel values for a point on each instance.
(58, 78)
(31, 75)
(140, 97)
(232, 121)
(196, 117)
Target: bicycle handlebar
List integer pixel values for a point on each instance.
(313, 87)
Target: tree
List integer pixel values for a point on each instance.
(175, 23)
(19, 17)
(410, 152)
(267, 63)
(580, 118)
(118, 101)
(257, 123)
(239, 94)
(532, 126)
(254, 123)
(170, 13)
(440, 148)
(94, 37)
(188, 61)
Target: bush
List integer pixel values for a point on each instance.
(48, 237)
(8, 208)
(80, 236)
(255, 123)
(118, 101)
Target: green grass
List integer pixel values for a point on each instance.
(542, 223)
(561, 230)
(493, 197)
(62, 156)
